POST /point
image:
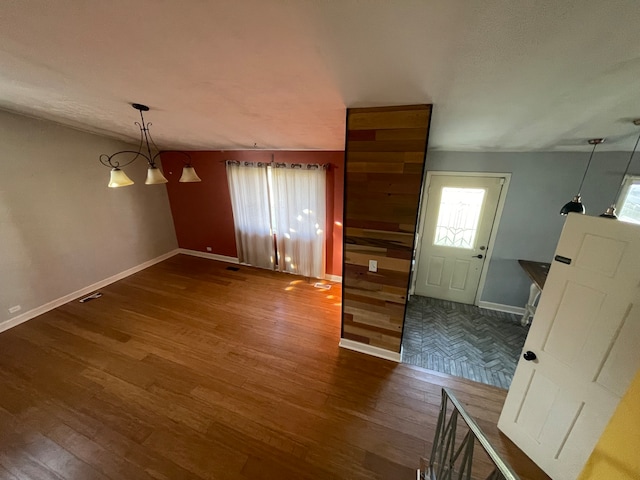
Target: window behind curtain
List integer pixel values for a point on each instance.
(299, 210)
(250, 205)
(287, 202)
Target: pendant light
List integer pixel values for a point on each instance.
(189, 174)
(118, 178)
(576, 204)
(154, 175)
(611, 211)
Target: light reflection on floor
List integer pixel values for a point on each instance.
(299, 283)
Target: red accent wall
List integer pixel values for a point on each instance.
(202, 212)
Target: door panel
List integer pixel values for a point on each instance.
(461, 270)
(620, 363)
(435, 270)
(536, 410)
(579, 307)
(459, 216)
(585, 337)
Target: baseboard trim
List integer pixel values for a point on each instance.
(210, 256)
(224, 258)
(369, 350)
(499, 307)
(34, 312)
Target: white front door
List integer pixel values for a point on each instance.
(585, 338)
(460, 213)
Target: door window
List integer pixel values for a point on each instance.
(458, 217)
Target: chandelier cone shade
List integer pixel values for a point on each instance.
(155, 176)
(189, 175)
(119, 179)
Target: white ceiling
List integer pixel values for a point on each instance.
(503, 75)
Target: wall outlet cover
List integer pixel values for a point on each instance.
(373, 265)
(15, 309)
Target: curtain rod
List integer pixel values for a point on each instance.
(301, 166)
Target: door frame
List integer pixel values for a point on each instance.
(494, 228)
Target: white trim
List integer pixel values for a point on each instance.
(224, 258)
(499, 307)
(12, 322)
(210, 256)
(369, 350)
(494, 228)
(494, 231)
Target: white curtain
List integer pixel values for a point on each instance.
(250, 204)
(299, 215)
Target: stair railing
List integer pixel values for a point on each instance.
(452, 459)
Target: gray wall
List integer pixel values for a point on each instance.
(61, 228)
(530, 226)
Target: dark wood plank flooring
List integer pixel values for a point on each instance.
(188, 370)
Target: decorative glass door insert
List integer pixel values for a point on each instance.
(458, 217)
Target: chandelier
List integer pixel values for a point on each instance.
(154, 174)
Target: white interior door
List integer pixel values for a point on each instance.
(585, 337)
(460, 212)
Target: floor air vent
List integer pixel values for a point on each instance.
(323, 286)
(90, 297)
(233, 269)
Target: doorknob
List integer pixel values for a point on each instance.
(483, 247)
(529, 356)
(477, 256)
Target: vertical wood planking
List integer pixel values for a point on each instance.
(385, 151)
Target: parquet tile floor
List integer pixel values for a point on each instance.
(463, 340)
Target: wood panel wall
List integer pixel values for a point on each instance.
(385, 152)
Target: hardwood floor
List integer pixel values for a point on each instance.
(188, 370)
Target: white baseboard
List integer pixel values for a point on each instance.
(210, 256)
(370, 350)
(224, 258)
(502, 308)
(12, 322)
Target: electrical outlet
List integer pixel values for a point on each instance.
(209, 249)
(373, 265)
(15, 309)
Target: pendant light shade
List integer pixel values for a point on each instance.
(576, 205)
(118, 179)
(154, 176)
(145, 149)
(189, 175)
(611, 211)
